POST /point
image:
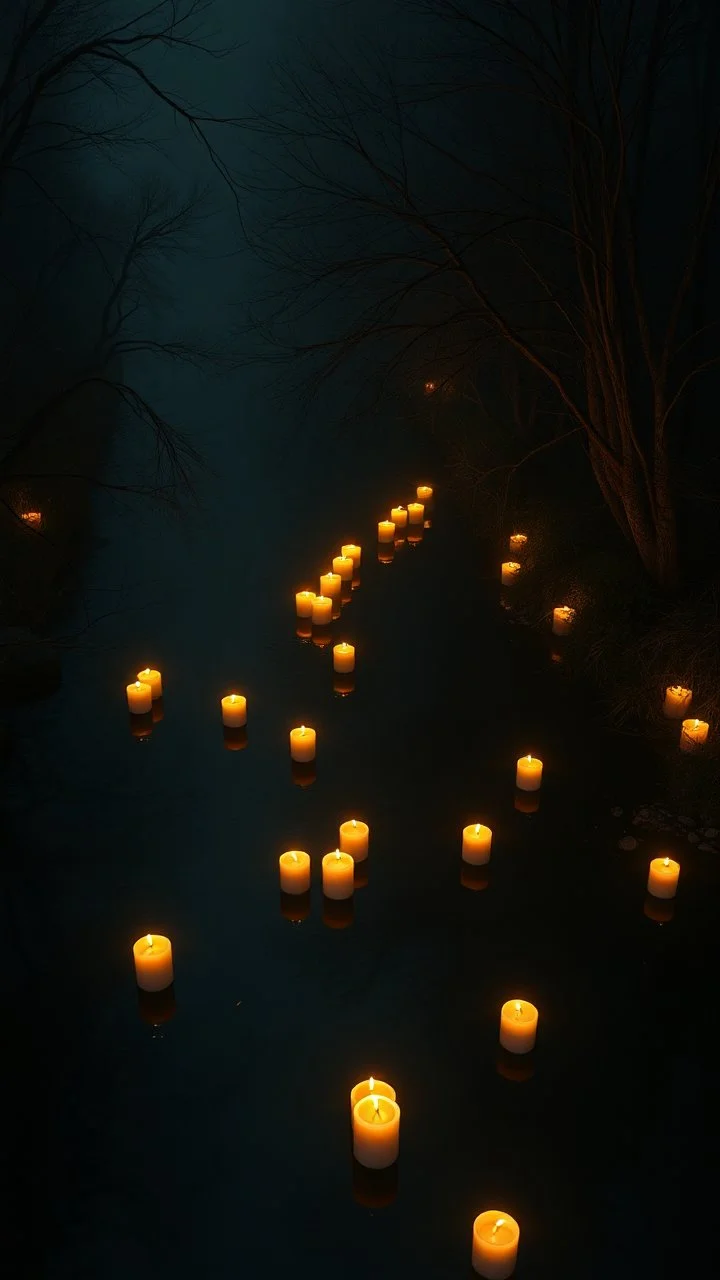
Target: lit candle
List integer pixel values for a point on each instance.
(509, 572)
(563, 618)
(330, 585)
(518, 1026)
(693, 734)
(677, 701)
(322, 607)
(139, 698)
(154, 679)
(528, 776)
(304, 601)
(354, 838)
(153, 962)
(428, 388)
(234, 710)
(344, 657)
(338, 875)
(424, 492)
(33, 518)
(386, 530)
(343, 566)
(371, 1086)
(376, 1132)
(517, 541)
(495, 1244)
(663, 878)
(294, 871)
(399, 517)
(476, 842)
(416, 512)
(302, 744)
(353, 551)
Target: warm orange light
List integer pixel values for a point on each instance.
(376, 1103)
(518, 1007)
(137, 684)
(337, 854)
(32, 517)
(666, 862)
(500, 1223)
(293, 855)
(371, 1082)
(354, 822)
(302, 728)
(149, 940)
(477, 828)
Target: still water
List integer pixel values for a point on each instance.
(218, 1144)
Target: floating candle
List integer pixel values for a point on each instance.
(294, 871)
(399, 517)
(234, 710)
(344, 657)
(677, 701)
(424, 493)
(517, 541)
(330, 585)
(302, 744)
(476, 842)
(663, 878)
(354, 838)
(528, 776)
(386, 530)
(371, 1086)
(518, 1026)
(416, 512)
(693, 734)
(376, 1132)
(153, 962)
(154, 679)
(338, 875)
(495, 1244)
(33, 518)
(353, 551)
(510, 571)
(343, 566)
(304, 603)
(139, 698)
(563, 618)
(322, 611)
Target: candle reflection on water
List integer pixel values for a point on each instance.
(295, 907)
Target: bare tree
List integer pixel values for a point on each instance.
(539, 176)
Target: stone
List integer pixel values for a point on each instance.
(29, 666)
(627, 843)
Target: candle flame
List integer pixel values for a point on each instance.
(376, 1103)
(354, 822)
(137, 684)
(518, 1008)
(477, 828)
(145, 672)
(302, 728)
(149, 940)
(293, 855)
(500, 1223)
(337, 854)
(233, 696)
(695, 724)
(666, 862)
(371, 1082)
(529, 759)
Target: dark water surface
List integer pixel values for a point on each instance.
(219, 1144)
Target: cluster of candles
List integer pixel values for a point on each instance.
(693, 732)
(32, 518)
(410, 518)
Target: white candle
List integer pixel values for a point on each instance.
(509, 572)
(386, 530)
(302, 744)
(294, 871)
(234, 710)
(476, 843)
(304, 601)
(677, 701)
(528, 776)
(416, 512)
(376, 1132)
(495, 1244)
(139, 698)
(424, 492)
(563, 618)
(517, 541)
(663, 878)
(518, 1026)
(399, 517)
(153, 962)
(322, 607)
(344, 657)
(330, 585)
(354, 838)
(693, 734)
(154, 679)
(353, 551)
(338, 875)
(344, 566)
